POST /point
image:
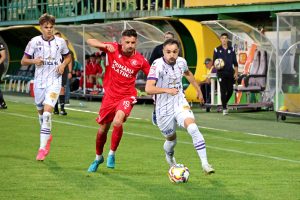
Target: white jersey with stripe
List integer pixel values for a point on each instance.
(51, 53)
(168, 76)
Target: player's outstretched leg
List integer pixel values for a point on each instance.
(200, 147)
(44, 136)
(110, 161)
(100, 142)
(95, 164)
(116, 137)
(169, 151)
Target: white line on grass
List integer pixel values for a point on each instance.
(161, 139)
(208, 128)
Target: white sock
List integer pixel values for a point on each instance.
(41, 119)
(169, 146)
(198, 142)
(45, 130)
(111, 152)
(98, 157)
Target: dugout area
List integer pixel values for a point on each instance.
(198, 40)
(288, 65)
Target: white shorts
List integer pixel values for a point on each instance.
(167, 124)
(48, 95)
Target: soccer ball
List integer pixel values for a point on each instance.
(219, 63)
(179, 173)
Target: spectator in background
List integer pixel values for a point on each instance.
(81, 80)
(205, 85)
(76, 74)
(158, 50)
(2, 59)
(93, 71)
(229, 72)
(66, 75)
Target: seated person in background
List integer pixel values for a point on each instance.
(81, 80)
(100, 59)
(76, 74)
(93, 72)
(205, 85)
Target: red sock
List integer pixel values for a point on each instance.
(100, 142)
(116, 137)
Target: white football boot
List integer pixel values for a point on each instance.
(207, 168)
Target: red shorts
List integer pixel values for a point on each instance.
(110, 106)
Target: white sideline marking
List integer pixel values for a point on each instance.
(162, 139)
(209, 128)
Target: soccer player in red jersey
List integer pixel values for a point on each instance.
(124, 62)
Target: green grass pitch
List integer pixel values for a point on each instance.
(255, 157)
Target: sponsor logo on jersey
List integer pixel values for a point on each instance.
(123, 70)
(152, 71)
(133, 62)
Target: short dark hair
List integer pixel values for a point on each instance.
(46, 18)
(169, 33)
(207, 60)
(171, 41)
(224, 34)
(129, 33)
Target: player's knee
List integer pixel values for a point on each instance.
(117, 122)
(192, 128)
(46, 120)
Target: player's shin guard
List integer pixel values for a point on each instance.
(45, 130)
(116, 137)
(169, 151)
(198, 142)
(100, 142)
(40, 119)
(169, 146)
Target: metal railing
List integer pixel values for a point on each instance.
(18, 10)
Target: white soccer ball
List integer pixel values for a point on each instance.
(219, 63)
(179, 173)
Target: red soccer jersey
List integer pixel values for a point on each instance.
(121, 71)
(93, 69)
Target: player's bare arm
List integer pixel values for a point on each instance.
(98, 44)
(151, 89)
(190, 77)
(62, 66)
(27, 60)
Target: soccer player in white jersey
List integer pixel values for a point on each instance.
(165, 80)
(46, 52)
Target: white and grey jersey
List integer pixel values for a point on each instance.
(168, 76)
(51, 53)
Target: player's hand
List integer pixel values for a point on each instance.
(70, 75)
(236, 76)
(60, 69)
(173, 91)
(110, 47)
(200, 97)
(38, 61)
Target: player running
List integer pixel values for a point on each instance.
(165, 81)
(45, 52)
(124, 62)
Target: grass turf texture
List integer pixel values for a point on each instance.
(248, 165)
